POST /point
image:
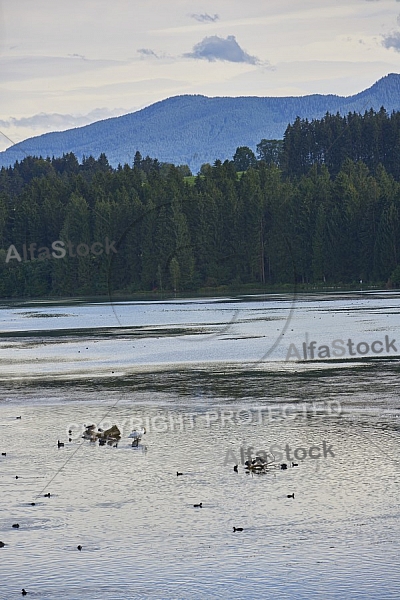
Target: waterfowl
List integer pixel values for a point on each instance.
(237, 529)
(47, 495)
(33, 503)
(137, 435)
(15, 525)
(2, 544)
(283, 466)
(295, 464)
(177, 474)
(60, 444)
(235, 468)
(18, 417)
(4, 453)
(79, 548)
(290, 495)
(24, 592)
(16, 477)
(198, 505)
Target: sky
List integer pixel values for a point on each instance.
(67, 63)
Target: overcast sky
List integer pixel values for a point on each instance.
(65, 63)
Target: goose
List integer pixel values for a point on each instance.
(136, 435)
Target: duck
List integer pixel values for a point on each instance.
(4, 453)
(136, 435)
(79, 548)
(15, 525)
(60, 444)
(283, 466)
(2, 544)
(237, 529)
(24, 592)
(290, 495)
(295, 464)
(177, 473)
(198, 505)
(235, 468)
(47, 495)
(18, 417)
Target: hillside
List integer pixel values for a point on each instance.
(196, 129)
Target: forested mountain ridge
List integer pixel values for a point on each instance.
(194, 130)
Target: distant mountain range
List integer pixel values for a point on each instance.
(194, 129)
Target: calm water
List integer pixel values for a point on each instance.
(209, 380)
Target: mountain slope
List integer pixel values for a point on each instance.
(196, 129)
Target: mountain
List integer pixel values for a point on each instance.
(194, 129)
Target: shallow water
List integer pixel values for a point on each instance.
(198, 381)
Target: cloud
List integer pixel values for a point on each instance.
(59, 122)
(205, 18)
(392, 40)
(147, 52)
(216, 48)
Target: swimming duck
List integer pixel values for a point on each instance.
(15, 525)
(237, 529)
(79, 548)
(24, 592)
(177, 474)
(235, 468)
(60, 444)
(2, 544)
(290, 495)
(283, 466)
(198, 505)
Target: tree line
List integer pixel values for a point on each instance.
(151, 226)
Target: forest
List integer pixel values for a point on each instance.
(319, 208)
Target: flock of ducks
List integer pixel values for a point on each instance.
(112, 436)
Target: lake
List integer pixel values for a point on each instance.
(306, 380)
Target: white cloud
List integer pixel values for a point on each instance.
(205, 18)
(216, 48)
(392, 40)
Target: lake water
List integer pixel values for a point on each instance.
(213, 381)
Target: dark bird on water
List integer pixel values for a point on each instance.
(235, 468)
(290, 495)
(47, 495)
(18, 417)
(2, 544)
(16, 477)
(283, 466)
(60, 444)
(177, 473)
(237, 529)
(295, 464)
(16, 525)
(4, 453)
(24, 592)
(198, 505)
(79, 548)
(33, 504)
